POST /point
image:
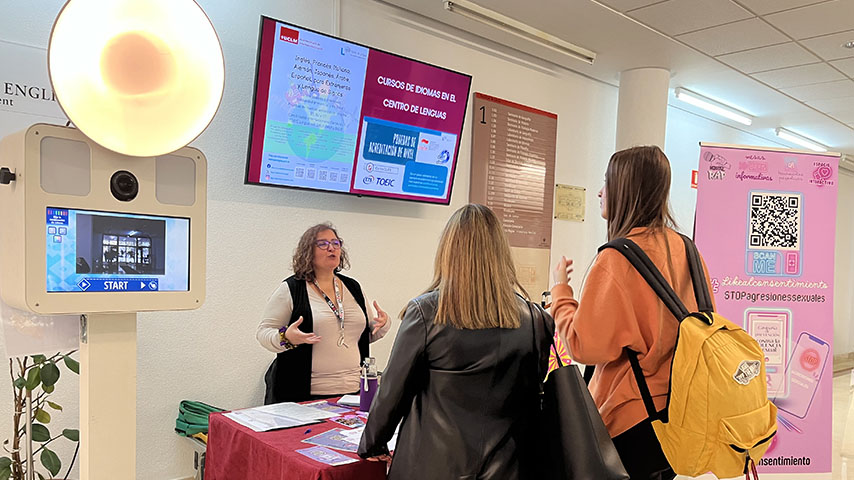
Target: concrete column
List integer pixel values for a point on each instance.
(642, 108)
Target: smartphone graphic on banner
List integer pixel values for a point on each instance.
(804, 372)
(771, 327)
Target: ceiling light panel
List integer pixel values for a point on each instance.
(713, 106)
(800, 140)
(519, 29)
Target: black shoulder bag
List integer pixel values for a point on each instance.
(573, 441)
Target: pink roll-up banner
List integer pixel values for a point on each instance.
(765, 224)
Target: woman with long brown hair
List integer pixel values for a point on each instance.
(619, 311)
(463, 370)
(319, 323)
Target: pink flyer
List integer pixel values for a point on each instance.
(765, 225)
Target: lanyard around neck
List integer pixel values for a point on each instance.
(337, 310)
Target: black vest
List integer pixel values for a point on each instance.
(288, 378)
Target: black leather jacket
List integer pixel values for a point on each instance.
(467, 398)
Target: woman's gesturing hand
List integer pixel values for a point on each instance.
(563, 271)
(380, 320)
(297, 336)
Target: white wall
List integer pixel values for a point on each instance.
(843, 300)
(211, 354)
(685, 131)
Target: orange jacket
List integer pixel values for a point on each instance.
(618, 309)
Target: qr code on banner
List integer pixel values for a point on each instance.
(775, 220)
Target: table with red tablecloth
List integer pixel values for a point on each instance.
(236, 452)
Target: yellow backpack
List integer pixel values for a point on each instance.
(718, 418)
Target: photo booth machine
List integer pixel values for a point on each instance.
(109, 218)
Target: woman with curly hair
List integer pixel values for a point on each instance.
(319, 324)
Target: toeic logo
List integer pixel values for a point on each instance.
(368, 180)
(385, 182)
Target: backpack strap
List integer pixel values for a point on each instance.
(641, 262)
(588, 373)
(643, 387)
(638, 258)
(698, 276)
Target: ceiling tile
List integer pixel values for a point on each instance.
(814, 20)
(846, 65)
(769, 58)
(796, 76)
(834, 105)
(829, 47)
(763, 7)
(626, 5)
(674, 17)
(844, 117)
(734, 37)
(822, 91)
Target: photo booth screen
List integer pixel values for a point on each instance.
(337, 116)
(93, 251)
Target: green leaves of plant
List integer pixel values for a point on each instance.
(40, 433)
(72, 364)
(42, 416)
(33, 378)
(50, 461)
(44, 373)
(5, 468)
(49, 374)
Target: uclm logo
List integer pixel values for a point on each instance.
(289, 35)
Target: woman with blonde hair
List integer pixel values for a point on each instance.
(319, 323)
(619, 311)
(462, 375)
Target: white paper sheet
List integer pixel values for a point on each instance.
(263, 422)
(295, 411)
(351, 400)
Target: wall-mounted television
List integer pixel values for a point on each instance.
(337, 116)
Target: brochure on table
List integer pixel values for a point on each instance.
(279, 415)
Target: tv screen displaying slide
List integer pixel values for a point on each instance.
(93, 251)
(338, 116)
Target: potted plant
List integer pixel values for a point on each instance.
(36, 376)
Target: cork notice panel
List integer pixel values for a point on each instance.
(512, 167)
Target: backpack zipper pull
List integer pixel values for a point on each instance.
(750, 467)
